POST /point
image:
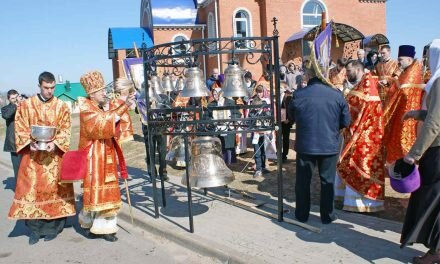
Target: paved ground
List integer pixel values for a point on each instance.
(134, 245)
(221, 230)
(353, 238)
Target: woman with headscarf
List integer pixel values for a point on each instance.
(372, 60)
(422, 220)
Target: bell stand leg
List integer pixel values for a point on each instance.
(188, 187)
(162, 148)
(152, 151)
(162, 186)
(278, 125)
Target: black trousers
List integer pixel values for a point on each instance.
(15, 159)
(285, 129)
(260, 154)
(305, 165)
(44, 227)
(158, 145)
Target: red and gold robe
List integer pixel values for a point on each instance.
(362, 161)
(388, 71)
(38, 193)
(337, 77)
(400, 135)
(98, 130)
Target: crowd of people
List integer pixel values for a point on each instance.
(357, 127)
(387, 114)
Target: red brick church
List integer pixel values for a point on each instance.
(244, 18)
(361, 23)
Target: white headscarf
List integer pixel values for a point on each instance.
(434, 66)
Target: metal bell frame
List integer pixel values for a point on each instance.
(190, 53)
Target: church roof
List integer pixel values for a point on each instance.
(124, 38)
(174, 12)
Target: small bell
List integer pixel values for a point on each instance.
(167, 84)
(195, 85)
(156, 85)
(179, 84)
(235, 84)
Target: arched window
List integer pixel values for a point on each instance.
(178, 49)
(211, 26)
(312, 13)
(242, 27)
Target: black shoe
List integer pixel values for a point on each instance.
(284, 159)
(89, 234)
(110, 237)
(50, 237)
(301, 220)
(328, 220)
(33, 238)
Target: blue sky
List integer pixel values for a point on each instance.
(70, 37)
(412, 22)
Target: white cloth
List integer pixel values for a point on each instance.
(434, 66)
(97, 224)
(353, 201)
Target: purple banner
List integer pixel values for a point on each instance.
(134, 70)
(323, 43)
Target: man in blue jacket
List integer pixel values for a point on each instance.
(320, 112)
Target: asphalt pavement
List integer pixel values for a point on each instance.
(135, 245)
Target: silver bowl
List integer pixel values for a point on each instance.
(43, 133)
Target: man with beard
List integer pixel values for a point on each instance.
(401, 135)
(361, 165)
(337, 74)
(103, 126)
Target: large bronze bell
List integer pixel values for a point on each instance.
(167, 85)
(156, 85)
(235, 84)
(177, 150)
(207, 167)
(195, 85)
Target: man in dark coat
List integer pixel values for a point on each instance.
(320, 112)
(8, 113)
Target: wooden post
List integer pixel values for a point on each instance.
(323, 20)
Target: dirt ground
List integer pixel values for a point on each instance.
(134, 152)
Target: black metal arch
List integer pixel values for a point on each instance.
(376, 40)
(345, 32)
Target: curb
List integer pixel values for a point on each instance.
(188, 240)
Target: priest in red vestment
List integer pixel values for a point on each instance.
(103, 126)
(387, 71)
(362, 162)
(401, 134)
